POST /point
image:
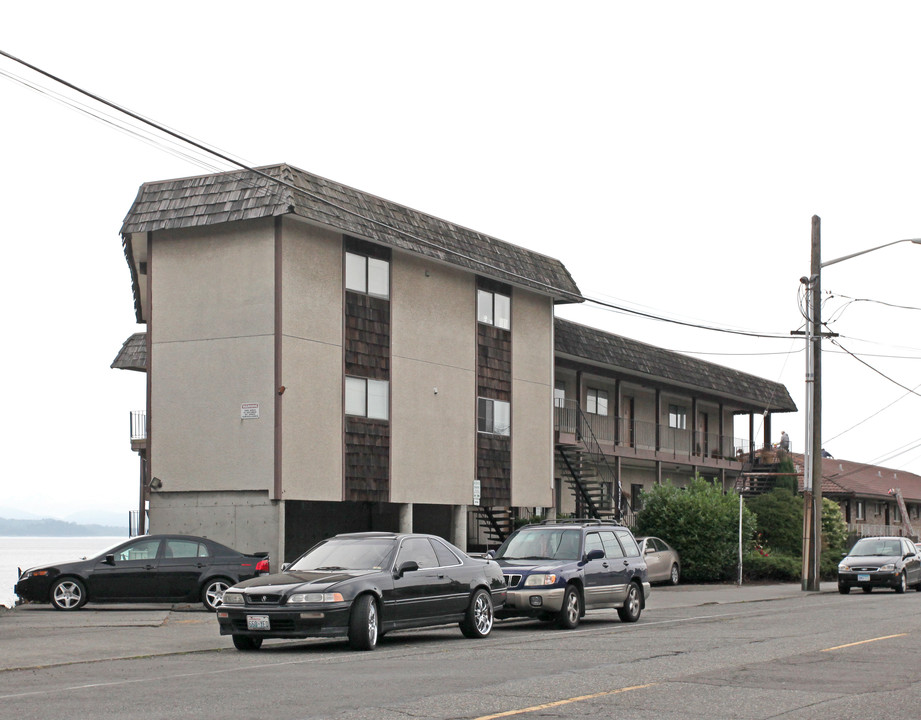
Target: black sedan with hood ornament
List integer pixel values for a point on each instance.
(362, 585)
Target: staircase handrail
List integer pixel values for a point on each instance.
(596, 449)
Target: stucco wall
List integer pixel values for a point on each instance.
(532, 400)
(433, 316)
(311, 374)
(212, 351)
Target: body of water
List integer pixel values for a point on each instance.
(27, 552)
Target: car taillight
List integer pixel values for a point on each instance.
(262, 566)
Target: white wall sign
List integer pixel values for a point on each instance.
(249, 411)
(476, 492)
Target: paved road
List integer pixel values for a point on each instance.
(713, 651)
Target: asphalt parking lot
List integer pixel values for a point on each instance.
(39, 636)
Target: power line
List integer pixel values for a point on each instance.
(226, 158)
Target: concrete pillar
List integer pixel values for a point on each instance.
(406, 517)
(459, 526)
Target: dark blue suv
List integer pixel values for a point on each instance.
(555, 571)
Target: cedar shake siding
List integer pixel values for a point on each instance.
(494, 381)
(366, 352)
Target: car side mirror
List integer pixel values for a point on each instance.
(491, 554)
(408, 566)
(285, 566)
(110, 559)
(649, 551)
(595, 554)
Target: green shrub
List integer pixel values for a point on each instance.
(779, 568)
(702, 523)
(779, 520)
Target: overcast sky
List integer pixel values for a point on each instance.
(671, 154)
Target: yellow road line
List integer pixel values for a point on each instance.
(864, 642)
(521, 711)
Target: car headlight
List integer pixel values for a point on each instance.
(844, 566)
(33, 573)
(538, 579)
(888, 567)
(232, 598)
(301, 598)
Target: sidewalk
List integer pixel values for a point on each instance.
(38, 635)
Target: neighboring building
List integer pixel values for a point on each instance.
(638, 415)
(867, 497)
(321, 360)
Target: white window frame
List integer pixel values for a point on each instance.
(494, 417)
(367, 275)
(859, 510)
(368, 398)
(596, 401)
(494, 308)
(677, 416)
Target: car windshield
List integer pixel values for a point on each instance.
(347, 554)
(876, 546)
(542, 544)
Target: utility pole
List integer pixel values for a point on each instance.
(812, 457)
(812, 454)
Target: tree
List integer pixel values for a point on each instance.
(702, 523)
(779, 521)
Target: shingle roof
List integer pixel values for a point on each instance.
(243, 195)
(844, 477)
(133, 355)
(650, 362)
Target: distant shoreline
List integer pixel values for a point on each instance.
(50, 527)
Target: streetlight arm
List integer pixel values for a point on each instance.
(917, 241)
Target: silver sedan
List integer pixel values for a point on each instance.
(661, 559)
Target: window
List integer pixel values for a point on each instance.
(494, 309)
(145, 549)
(494, 416)
(420, 550)
(896, 515)
(367, 398)
(367, 275)
(596, 401)
(612, 548)
(860, 512)
(559, 394)
(185, 549)
(678, 417)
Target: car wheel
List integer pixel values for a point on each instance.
(571, 611)
(632, 608)
(363, 623)
(673, 576)
(844, 589)
(243, 642)
(213, 592)
(867, 589)
(900, 588)
(68, 594)
(478, 619)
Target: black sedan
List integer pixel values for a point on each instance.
(363, 585)
(149, 568)
(875, 562)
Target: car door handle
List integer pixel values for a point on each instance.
(604, 564)
(626, 562)
(148, 567)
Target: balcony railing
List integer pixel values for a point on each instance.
(138, 430)
(642, 435)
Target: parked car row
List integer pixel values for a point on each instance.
(362, 585)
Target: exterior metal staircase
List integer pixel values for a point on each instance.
(497, 522)
(595, 485)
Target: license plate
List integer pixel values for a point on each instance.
(257, 622)
(863, 578)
